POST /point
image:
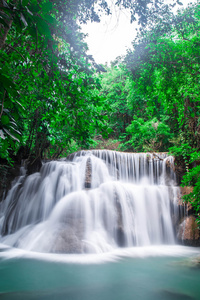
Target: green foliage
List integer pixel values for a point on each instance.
(110, 144)
(48, 83)
(164, 67)
(151, 135)
(183, 150)
(192, 178)
(48, 89)
(114, 89)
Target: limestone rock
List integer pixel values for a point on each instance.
(188, 230)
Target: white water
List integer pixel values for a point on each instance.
(130, 201)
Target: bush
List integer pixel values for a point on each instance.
(151, 135)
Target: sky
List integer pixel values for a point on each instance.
(113, 35)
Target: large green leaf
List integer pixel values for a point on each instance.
(43, 27)
(6, 82)
(2, 134)
(47, 7)
(14, 136)
(5, 120)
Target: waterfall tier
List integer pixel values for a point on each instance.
(93, 202)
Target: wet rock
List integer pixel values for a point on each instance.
(187, 206)
(120, 234)
(120, 237)
(191, 262)
(34, 165)
(188, 232)
(88, 174)
(7, 175)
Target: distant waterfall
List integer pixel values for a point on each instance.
(93, 202)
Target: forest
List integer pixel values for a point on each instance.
(55, 99)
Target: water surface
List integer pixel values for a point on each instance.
(152, 273)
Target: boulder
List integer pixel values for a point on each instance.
(188, 232)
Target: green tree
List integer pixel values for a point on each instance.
(164, 67)
(47, 83)
(114, 89)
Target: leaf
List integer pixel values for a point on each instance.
(6, 82)
(16, 131)
(6, 9)
(5, 120)
(49, 19)
(33, 32)
(34, 8)
(43, 27)
(13, 136)
(23, 20)
(47, 7)
(4, 16)
(25, 2)
(2, 134)
(3, 22)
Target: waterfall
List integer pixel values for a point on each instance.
(93, 202)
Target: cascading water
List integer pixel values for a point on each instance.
(93, 202)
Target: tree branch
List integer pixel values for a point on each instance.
(16, 51)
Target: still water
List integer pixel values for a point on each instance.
(166, 272)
